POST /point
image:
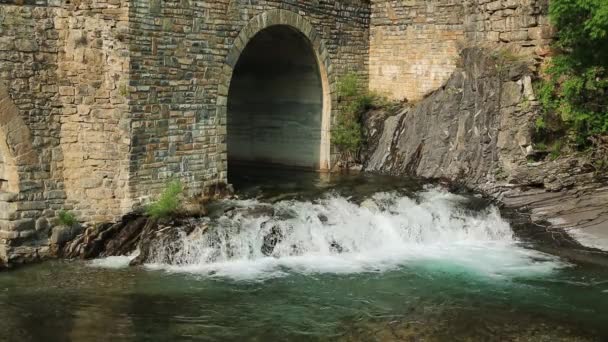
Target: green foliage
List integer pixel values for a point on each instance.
(540, 124)
(347, 133)
(168, 202)
(575, 91)
(556, 150)
(348, 85)
(66, 218)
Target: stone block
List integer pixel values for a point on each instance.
(60, 235)
(26, 234)
(42, 224)
(8, 196)
(23, 224)
(26, 45)
(7, 210)
(8, 235)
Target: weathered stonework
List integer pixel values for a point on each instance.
(103, 101)
(415, 45)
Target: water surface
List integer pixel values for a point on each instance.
(360, 258)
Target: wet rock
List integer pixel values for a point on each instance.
(370, 204)
(62, 234)
(271, 240)
(192, 208)
(104, 239)
(335, 247)
(162, 242)
(258, 210)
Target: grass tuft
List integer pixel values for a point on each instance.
(168, 202)
(66, 218)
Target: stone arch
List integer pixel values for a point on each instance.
(16, 151)
(295, 21)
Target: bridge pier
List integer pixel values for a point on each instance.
(106, 102)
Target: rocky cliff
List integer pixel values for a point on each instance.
(477, 131)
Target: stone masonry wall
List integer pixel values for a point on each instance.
(93, 75)
(63, 118)
(415, 45)
(178, 59)
(29, 126)
(102, 101)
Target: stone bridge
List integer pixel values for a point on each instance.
(103, 101)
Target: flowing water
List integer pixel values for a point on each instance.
(322, 257)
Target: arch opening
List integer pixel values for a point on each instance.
(278, 103)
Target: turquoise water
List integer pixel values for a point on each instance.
(468, 281)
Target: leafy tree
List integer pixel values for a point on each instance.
(574, 92)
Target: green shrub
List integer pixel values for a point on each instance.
(168, 202)
(348, 85)
(66, 218)
(574, 92)
(347, 133)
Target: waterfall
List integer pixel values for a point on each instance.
(338, 235)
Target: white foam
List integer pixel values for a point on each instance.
(394, 231)
(113, 262)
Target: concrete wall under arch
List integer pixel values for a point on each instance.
(275, 102)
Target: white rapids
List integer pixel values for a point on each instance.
(336, 235)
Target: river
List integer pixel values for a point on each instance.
(321, 257)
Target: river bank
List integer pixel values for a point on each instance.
(478, 132)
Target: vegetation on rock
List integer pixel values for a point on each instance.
(66, 218)
(169, 201)
(347, 133)
(574, 89)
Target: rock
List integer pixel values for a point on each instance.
(116, 239)
(271, 240)
(192, 209)
(61, 234)
(42, 225)
(159, 243)
(336, 247)
(370, 205)
(258, 210)
(355, 167)
(530, 151)
(24, 224)
(477, 129)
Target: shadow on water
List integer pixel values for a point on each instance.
(275, 184)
